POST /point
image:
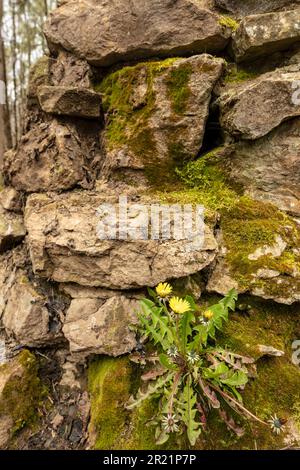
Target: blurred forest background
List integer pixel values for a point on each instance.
(21, 43)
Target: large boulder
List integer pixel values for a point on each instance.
(105, 32)
(12, 230)
(156, 114)
(252, 7)
(260, 253)
(70, 101)
(54, 155)
(65, 245)
(260, 35)
(252, 109)
(268, 168)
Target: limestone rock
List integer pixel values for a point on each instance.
(252, 109)
(270, 351)
(95, 326)
(25, 309)
(12, 230)
(105, 32)
(156, 114)
(252, 7)
(260, 35)
(268, 168)
(65, 246)
(25, 315)
(55, 155)
(70, 101)
(259, 253)
(11, 200)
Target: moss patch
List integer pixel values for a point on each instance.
(178, 89)
(238, 75)
(249, 225)
(228, 22)
(24, 391)
(111, 382)
(202, 182)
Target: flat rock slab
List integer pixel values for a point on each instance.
(65, 246)
(260, 35)
(252, 109)
(70, 101)
(106, 32)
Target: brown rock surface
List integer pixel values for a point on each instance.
(64, 246)
(106, 32)
(261, 35)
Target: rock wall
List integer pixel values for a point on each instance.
(135, 100)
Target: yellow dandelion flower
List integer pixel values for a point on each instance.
(178, 305)
(163, 290)
(208, 314)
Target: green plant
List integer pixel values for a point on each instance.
(228, 22)
(191, 374)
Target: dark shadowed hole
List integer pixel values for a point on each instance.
(213, 136)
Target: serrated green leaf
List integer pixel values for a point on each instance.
(188, 411)
(152, 389)
(165, 361)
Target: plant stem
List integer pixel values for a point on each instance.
(239, 405)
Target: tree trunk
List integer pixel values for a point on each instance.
(14, 70)
(5, 130)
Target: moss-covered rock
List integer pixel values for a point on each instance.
(261, 252)
(156, 114)
(21, 394)
(111, 382)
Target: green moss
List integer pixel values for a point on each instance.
(249, 225)
(178, 87)
(129, 101)
(276, 389)
(228, 22)
(202, 182)
(24, 391)
(237, 75)
(111, 382)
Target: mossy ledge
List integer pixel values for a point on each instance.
(23, 393)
